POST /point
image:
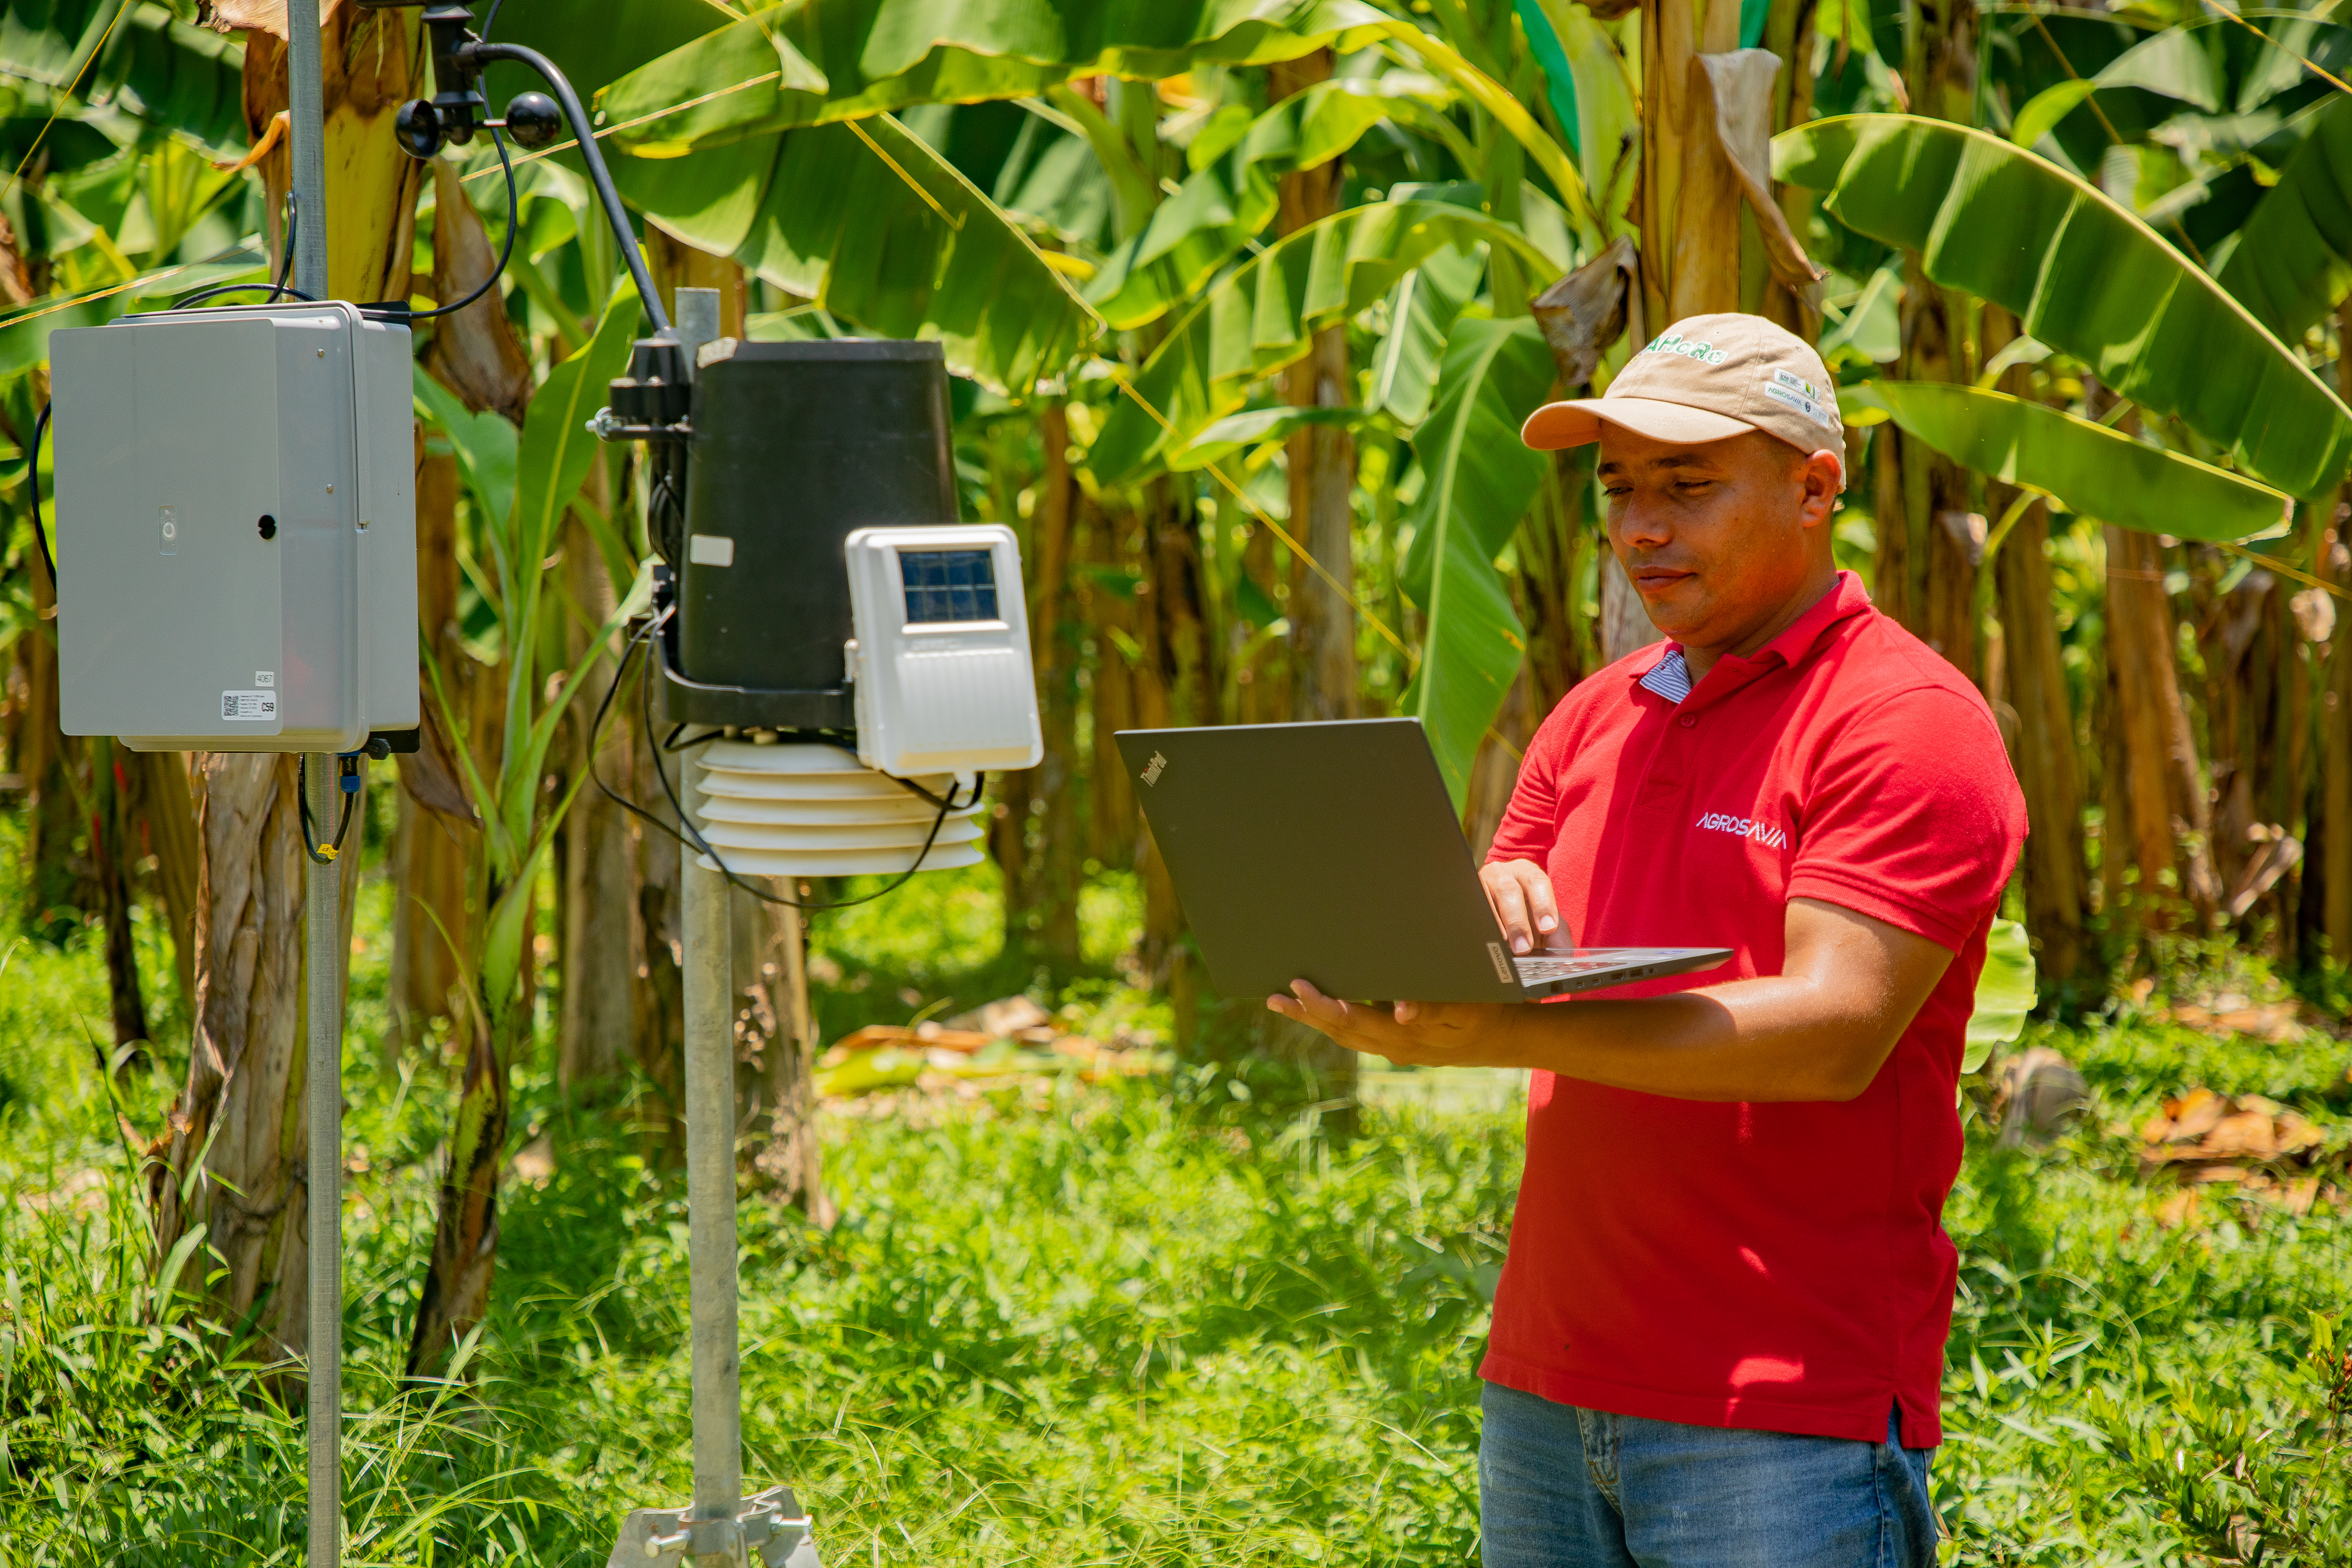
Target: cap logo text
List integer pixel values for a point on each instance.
(1675, 343)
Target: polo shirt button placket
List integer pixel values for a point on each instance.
(1688, 719)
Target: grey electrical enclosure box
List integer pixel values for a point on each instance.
(236, 529)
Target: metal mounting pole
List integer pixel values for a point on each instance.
(721, 1525)
(710, 1127)
(322, 900)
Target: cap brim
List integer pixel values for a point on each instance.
(1558, 425)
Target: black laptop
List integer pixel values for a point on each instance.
(1330, 853)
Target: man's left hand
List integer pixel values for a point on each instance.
(1411, 1034)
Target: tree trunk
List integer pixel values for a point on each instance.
(241, 1112)
(1554, 545)
(109, 852)
(778, 1051)
(2330, 866)
(1321, 457)
(1178, 685)
(2334, 774)
(597, 1016)
(1056, 870)
(428, 857)
(1690, 207)
(2057, 892)
(2170, 824)
(660, 993)
(1111, 827)
(44, 759)
(167, 816)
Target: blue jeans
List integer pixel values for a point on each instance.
(1560, 1487)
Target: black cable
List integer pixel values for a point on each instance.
(342, 828)
(692, 837)
(293, 225)
(514, 214)
(276, 290)
(33, 473)
(598, 174)
(277, 286)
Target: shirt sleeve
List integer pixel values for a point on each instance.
(1913, 817)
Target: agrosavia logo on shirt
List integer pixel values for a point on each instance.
(1764, 833)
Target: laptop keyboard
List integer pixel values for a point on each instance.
(1539, 969)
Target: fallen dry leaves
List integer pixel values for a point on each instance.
(2201, 1139)
(1011, 1038)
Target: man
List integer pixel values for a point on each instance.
(1719, 1334)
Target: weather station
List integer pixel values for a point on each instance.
(835, 659)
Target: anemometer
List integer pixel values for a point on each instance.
(840, 658)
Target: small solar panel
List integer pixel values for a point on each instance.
(948, 586)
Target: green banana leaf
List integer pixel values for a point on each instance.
(1478, 481)
(1254, 427)
(118, 57)
(2005, 993)
(1421, 312)
(551, 463)
(2096, 471)
(841, 59)
(1608, 129)
(2293, 262)
(1260, 316)
(2082, 275)
(875, 225)
(1227, 202)
(484, 444)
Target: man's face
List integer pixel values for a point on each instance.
(1717, 537)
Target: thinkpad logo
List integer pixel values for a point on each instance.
(1152, 769)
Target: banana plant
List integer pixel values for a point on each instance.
(1261, 316)
(2293, 263)
(519, 821)
(1231, 196)
(786, 66)
(1478, 481)
(876, 226)
(2094, 470)
(2084, 275)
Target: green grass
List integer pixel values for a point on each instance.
(1158, 1322)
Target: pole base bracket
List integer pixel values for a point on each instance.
(769, 1530)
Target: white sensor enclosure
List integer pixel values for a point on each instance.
(186, 622)
(941, 662)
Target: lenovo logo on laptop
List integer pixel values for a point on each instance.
(1503, 970)
(1152, 769)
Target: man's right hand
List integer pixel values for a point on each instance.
(1521, 894)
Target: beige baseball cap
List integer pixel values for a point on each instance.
(1708, 378)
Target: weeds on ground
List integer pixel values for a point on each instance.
(1157, 1322)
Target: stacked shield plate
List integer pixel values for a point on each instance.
(803, 810)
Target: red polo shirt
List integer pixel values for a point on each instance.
(1779, 1267)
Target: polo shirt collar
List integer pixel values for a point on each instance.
(1669, 676)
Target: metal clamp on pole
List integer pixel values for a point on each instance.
(770, 1530)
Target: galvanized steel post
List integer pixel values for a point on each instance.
(710, 1125)
(322, 892)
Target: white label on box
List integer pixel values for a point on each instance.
(252, 706)
(265, 678)
(711, 550)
